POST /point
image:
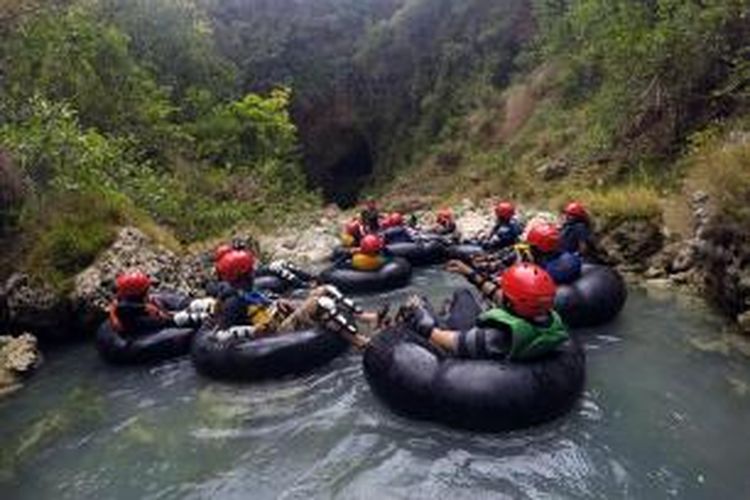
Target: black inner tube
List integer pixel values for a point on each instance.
(274, 356)
(595, 298)
(417, 380)
(420, 253)
(145, 348)
(396, 273)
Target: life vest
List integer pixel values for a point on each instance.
(564, 268)
(364, 262)
(151, 309)
(529, 341)
(573, 234)
(347, 240)
(261, 311)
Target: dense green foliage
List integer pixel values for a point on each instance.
(648, 72)
(113, 112)
(200, 114)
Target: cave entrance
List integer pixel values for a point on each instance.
(340, 165)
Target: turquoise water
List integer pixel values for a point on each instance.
(665, 414)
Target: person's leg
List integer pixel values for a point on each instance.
(463, 311)
(304, 315)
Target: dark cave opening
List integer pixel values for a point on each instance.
(341, 166)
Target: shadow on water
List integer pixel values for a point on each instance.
(664, 415)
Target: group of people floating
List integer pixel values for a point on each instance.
(517, 273)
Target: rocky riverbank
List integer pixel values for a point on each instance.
(713, 259)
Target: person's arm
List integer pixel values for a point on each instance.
(445, 339)
(486, 286)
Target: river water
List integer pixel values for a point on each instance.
(666, 413)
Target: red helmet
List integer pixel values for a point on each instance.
(545, 237)
(445, 216)
(352, 228)
(529, 289)
(505, 210)
(395, 219)
(134, 284)
(371, 244)
(221, 251)
(576, 210)
(235, 265)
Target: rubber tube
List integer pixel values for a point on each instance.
(274, 356)
(596, 298)
(419, 253)
(416, 380)
(396, 273)
(147, 348)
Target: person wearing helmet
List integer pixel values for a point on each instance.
(506, 231)
(523, 327)
(545, 245)
(445, 223)
(370, 217)
(370, 256)
(352, 234)
(396, 219)
(576, 232)
(245, 312)
(136, 312)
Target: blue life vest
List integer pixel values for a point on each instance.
(572, 234)
(564, 268)
(505, 234)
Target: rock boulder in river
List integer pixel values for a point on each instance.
(35, 307)
(311, 245)
(632, 243)
(19, 357)
(132, 249)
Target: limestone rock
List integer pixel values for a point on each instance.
(633, 242)
(94, 288)
(19, 357)
(35, 307)
(308, 246)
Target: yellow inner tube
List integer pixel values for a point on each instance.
(364, 262)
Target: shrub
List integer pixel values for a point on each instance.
(64, 233)
(722, 164)
(617, 204)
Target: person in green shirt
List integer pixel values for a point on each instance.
(524, 326)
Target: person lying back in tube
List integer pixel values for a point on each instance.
(370, 217)
(352, 234)
(243, 312)
(445, 224)
(370, 255)
(522, 327)
(282, 269)
(395, 230)
(136, 312)
(543, 246)
(506, 231)
(576, 233)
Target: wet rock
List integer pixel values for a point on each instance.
(94, 288)
(555, 169)
(35, 307)
(632, 243)
(655, 272)
(308, 246)
(471, 220)
(19, 357)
